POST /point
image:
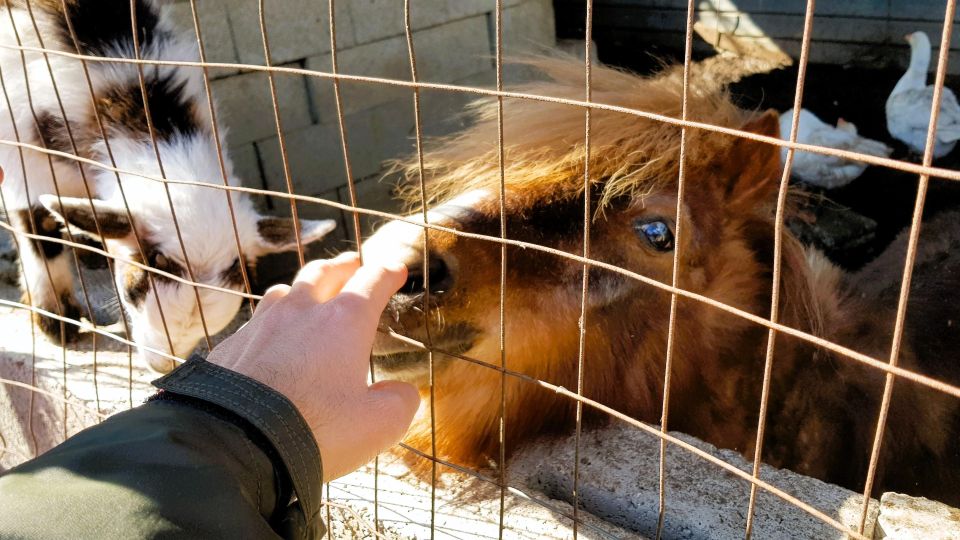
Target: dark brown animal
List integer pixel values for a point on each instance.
(823, 407)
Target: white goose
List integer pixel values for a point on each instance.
(827, 171)
(910, 103)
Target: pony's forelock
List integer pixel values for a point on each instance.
(544, 143)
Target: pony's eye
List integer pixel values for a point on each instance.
(657, 233)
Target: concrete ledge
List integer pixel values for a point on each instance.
(903, 517)
(618, 469)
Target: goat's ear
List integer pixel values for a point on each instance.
(86, 214)
(752, 167)
(277, 234)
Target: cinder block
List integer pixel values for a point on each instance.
(282, 267)
(903, 517)
(296, 29)
(373, 194)
(217, 39)
(460, 10)
(444, 53)
(528, 27)
(378, 135)
(246, 108)
(374, 136)
(377, 19)
(280, 206)
(444, 112)
(453, 51)
(246, 166)
(386, 58)
(314, 158)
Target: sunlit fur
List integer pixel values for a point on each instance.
(823, 407)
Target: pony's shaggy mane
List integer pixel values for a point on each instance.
(544, 142)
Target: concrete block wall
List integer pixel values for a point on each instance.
(454, 43)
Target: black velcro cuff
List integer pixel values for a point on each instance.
(265, 409)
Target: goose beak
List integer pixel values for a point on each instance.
(909, 38)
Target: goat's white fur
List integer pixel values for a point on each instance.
(203, 214)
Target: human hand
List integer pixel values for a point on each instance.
(311, 342)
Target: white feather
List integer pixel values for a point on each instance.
(911, 101)
(821, 170)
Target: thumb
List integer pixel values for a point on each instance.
(393, 406)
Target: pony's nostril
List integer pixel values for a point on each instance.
(440, 278)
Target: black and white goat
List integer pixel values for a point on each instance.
(40, 196)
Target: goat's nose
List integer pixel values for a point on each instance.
(441, 279)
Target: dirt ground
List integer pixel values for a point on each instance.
(73, 387)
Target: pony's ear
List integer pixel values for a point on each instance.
(753, 167)
(86, 214)
(277, 234)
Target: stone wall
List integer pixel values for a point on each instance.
(454, 43)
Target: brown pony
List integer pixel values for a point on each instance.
(823, 407)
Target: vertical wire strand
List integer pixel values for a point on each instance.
(284, 158)
(585, 284)
(910, 258)
(33, 333)
(148, 116)
(426, 268)
(352, 192)
(503, 270)
(220, 159)
(56, 186)
(123, 197)
(93, 209)
(778, 261)
(87, 191)
(675, 274)
(31, 224)
(338, 101)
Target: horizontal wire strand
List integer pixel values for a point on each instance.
(88, 327)
(925, 170)
(936, 172)
(557, 389)
(788, 330)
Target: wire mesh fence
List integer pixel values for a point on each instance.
(65, 122)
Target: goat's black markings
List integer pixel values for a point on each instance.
(136, 281)
(47, 226)
(233, 276)
(277, 231)
(53, 132)
(112, 223)
(136, 285)
(103, 26)
(173, 113)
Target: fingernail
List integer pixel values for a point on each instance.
(395, 266)
(347, 256)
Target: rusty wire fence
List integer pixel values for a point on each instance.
(888, 366)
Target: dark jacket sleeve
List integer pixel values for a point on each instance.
(213, 455)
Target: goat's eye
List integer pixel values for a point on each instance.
(163, 263)
(657, 233)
